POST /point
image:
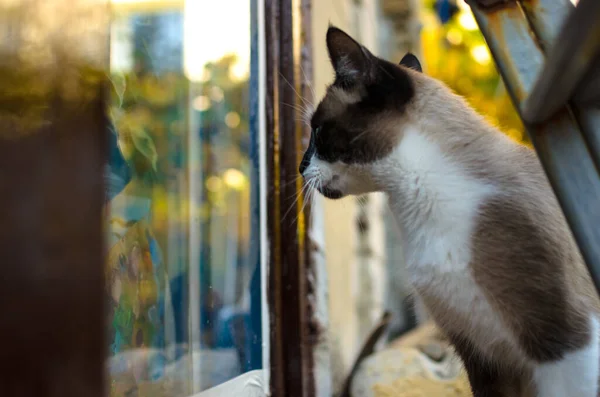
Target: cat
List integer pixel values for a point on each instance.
(487, 248)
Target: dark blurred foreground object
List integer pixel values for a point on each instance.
(52, 156)
(51, 245)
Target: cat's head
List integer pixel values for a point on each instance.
(356, 124)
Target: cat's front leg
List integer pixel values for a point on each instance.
(484, 377)
(575, 373)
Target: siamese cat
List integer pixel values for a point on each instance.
(486, 245)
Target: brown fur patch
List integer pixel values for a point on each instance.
(453, 325)
(523, 255)
(486, 378)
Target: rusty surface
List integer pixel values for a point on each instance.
(562, 149)
(288, 268)
(566, 65)
(292, 269)
(491, 4)
(274, 283)
(518, 56)
(547, 18)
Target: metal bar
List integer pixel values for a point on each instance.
(589, 121)
(291, 356)
(588, 90)
(296, 352)
(517, 55)
(545, 19)
(566, 65)
(562, 150)
(275, 284)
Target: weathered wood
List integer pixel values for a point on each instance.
(292, 338)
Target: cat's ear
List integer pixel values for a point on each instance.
(412, 62)
(350, 60)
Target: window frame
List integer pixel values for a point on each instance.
(291, 316)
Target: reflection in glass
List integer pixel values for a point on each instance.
(183, 281)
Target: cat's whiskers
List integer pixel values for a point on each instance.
(305, 113)
(359, 136)
(308, 198)
(307, 107)
(298, 195)
(293, 181)
(305, 101)
(304, 110)
(307, 81)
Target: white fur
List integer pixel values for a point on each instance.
(350, 179)
(575, 375)
(436, 204)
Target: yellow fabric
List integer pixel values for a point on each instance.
(423, 387)
(420, 364)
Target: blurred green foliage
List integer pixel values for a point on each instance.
(457, 54)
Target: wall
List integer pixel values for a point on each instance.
(355, 262)
(339, 215)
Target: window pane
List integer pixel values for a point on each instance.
(183, 274)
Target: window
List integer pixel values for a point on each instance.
(183, 266)
(146, 165)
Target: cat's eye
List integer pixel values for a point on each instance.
(316, 130)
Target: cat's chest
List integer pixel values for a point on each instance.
(437, 219)
(436, 204)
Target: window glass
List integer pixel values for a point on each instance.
(183, 275)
